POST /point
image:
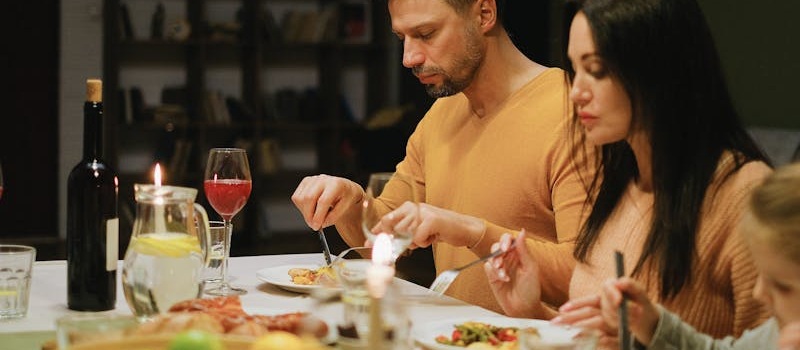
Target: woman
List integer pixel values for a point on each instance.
(674, 168)
(771, 229)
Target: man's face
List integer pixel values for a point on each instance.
(443, 48)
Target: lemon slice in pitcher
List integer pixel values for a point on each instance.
(173, 245)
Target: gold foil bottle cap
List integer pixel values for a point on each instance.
(94, 90)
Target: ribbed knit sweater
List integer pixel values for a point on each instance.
(718, 298)
(511, 168)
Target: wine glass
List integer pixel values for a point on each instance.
(386, 192)
(227, 184)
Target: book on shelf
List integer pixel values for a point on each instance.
(132, 107)
(272, 32)
(157, 23)
(310, 26)
(269, 156)
(238, 110)
(215, 110)
(355, 21)
(125, 26)
(169, 113)
(179, 162)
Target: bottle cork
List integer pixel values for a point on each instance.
(94, 90)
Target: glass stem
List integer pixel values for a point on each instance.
(227, 250)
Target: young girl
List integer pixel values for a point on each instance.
(771, 229)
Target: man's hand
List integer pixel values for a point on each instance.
(323, 199)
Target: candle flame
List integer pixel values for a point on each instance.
(382, 250)
(157, 175)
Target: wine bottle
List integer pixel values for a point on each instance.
(92, 223)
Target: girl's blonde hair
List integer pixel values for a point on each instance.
(773, 215)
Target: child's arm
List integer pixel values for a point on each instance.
(656, 328)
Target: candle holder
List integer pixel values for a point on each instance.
(365, 312)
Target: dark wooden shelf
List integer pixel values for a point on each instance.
(251, 58)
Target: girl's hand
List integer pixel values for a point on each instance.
(643, 314)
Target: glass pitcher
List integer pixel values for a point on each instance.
(167, 252)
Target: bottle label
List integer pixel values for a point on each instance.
(112, 244)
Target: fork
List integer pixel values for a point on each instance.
(446, 278)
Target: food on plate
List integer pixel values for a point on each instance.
(179, 322)
(479, 335)
(225, 315)
(304, 276)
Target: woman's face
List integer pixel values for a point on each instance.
(603, 106)
(778, 283)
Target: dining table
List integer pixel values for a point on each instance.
(48, 299)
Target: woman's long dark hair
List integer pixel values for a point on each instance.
(663, 54)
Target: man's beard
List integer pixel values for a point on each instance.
(466, 65)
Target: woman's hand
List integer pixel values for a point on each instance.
(514, 278)
(587, 312)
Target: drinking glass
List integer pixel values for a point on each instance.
(386, 192)
(227, 185)
(16, 266)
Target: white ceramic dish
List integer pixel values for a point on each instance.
(279, 276)
(425, 334)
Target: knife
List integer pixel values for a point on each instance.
(624, 332)
(325, 250)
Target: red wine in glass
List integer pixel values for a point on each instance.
(227, 196)
(227, 184)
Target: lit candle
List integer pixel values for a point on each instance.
(161, 226)
(379, 276)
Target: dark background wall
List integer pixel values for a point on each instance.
(758, 43)
(29, 119)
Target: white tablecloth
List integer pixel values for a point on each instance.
(48, 299)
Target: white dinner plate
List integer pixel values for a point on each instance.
(279, 276)
(425, 334)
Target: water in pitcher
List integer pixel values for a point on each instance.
(160, 270)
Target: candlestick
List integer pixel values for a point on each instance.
(379, 277)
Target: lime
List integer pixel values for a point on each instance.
(195, 340)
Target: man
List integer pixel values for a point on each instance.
(491, 155)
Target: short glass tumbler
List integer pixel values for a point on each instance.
(16, 263)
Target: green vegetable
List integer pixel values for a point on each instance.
(478, 332)
(196, 340)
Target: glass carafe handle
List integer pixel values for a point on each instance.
(205, 232)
